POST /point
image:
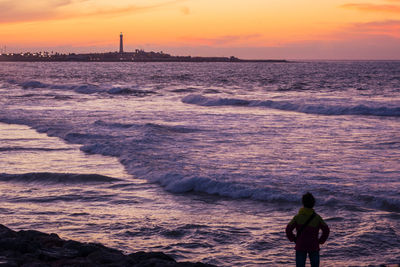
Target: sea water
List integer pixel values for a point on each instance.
(204, 161)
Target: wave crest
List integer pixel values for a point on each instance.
(318, 109)
(176, 183)
(129, 91)
(56, 178)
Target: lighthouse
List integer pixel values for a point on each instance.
(121, 43)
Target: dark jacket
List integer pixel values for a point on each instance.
(308, 240)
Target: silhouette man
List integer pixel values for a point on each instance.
(307, 224)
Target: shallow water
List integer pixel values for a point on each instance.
(206, 162)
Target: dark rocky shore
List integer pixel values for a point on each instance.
(34, 248)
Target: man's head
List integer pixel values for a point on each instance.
(308, 200)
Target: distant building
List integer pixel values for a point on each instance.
(121, 43)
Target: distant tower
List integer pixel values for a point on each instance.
(121, 43)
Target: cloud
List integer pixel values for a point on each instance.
(222, 40)
(381, 25)
(107, 11)
(12, 11)
(367, 7)
(375, 28)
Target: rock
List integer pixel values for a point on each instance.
(33, 248)
(142, 258)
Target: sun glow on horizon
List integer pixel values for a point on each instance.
(251, 29)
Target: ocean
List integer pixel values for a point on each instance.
(204, 161)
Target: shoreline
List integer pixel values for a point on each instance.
(155, 61)
(34, 248)
(137, 56)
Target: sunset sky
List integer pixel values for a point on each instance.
(290, 29)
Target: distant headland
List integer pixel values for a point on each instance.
(137, 56)
(120, 56)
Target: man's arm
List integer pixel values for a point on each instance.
(289, 230)
(325, 232)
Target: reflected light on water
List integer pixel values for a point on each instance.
(29, 151)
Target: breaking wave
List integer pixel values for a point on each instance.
(82, 89)
(56, 178)
(34, 84)
(170, 128)
(176, 183)
(113, 125)
(88, 88)
(13, 148)
(129, 91)
(318, 109)
(148, 126)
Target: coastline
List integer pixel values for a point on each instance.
(34, 248)
(137, 56)
(192, 60)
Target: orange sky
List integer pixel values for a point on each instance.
(300, 29)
